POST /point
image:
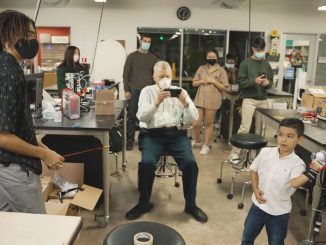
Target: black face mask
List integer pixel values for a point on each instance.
(211, 61)
(27, 48)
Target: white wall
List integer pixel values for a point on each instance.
(121, 22)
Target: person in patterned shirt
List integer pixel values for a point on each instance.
(20, 152)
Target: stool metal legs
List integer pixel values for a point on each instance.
(240, 204)
(162, 166)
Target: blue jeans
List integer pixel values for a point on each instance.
(276, 226)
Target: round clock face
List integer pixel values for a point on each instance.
(183, 13)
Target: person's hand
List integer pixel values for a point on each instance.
(259, 196)
(265, 83)
(210, 80)
(183, 98)
(317, 166)
(260, 80)
(52, 159)
(128, 95)
(162, 95)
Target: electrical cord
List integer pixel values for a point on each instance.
(96, 42)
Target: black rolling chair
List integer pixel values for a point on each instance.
(167, 170)
(247, 142)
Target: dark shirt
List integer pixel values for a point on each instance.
(66, 79)
(138, 70)
(15, 114)
(248, 71)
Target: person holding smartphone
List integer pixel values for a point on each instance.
(255, 76)
(160, 119)
(211, 80)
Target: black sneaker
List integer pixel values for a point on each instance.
(137, 211)
(197, 213)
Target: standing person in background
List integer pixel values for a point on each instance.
(211, 80)
(70, 70)
(20, 153)
(230, 69)
(72, 74)
(137, 73)
(255, 76)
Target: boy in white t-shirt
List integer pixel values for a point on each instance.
(275, 174)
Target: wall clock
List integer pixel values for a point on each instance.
(183, 13)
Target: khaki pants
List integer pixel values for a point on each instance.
(20, 191)
(248, 109)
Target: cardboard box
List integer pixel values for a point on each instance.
(74, 173)
(50, 79)
(86, 198)
(313, 97)
(105, 103)
(307, 100)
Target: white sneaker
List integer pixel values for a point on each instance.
(194, 144)
(204, 150)
(234, 158)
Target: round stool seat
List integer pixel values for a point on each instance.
(162, 234)
(248, 141)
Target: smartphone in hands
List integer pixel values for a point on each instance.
(175, 92)
(262, 74)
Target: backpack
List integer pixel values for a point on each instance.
(115, 139)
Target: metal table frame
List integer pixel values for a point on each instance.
(103, 136)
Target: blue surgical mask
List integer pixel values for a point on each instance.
(145, 46)
(260, 55)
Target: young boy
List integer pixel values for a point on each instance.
(275, 174)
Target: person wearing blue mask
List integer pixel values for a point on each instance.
(255, 76)
(137, 74)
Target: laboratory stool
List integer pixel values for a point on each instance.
(162, 234)
(167, 170)
(247, 142)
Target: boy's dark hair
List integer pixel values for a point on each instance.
(294, 123)
(14, 26)
(259, 43)
(68, 62)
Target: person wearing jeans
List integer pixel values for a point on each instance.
(276, 173)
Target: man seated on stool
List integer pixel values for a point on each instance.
(160, 115)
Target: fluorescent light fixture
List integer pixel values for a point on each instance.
(322, 7)
(100, 1)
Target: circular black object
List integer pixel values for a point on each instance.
(183, 13)
(248, 141)
(229, 196)
(219, 181)
(162, 234)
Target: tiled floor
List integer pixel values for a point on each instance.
(225, 224)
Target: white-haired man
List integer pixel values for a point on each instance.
(161, 115)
